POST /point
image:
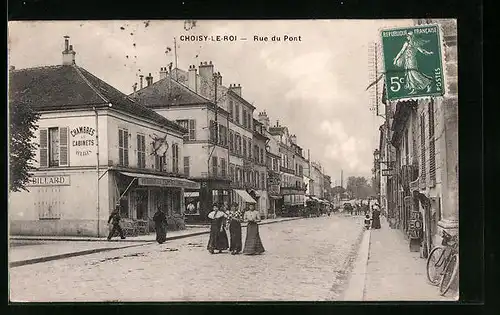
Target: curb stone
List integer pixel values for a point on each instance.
(98, 250)
(355, 287)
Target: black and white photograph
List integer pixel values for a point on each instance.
(233, 160)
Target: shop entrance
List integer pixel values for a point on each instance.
(142, 204)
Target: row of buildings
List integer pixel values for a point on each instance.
(182, 142)
(417, 159)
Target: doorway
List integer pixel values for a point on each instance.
(142, 204)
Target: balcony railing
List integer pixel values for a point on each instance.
(213, 175)
(287, 170)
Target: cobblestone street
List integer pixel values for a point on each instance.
(305, 259)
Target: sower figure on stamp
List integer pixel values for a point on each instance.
(114, 219)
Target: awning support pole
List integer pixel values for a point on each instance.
(128, 187)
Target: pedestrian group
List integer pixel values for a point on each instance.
(220, 218)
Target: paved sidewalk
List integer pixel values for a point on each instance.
(386, 270)
(24, 250)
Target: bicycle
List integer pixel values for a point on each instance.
(442, 263)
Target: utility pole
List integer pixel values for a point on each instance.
(175, 57)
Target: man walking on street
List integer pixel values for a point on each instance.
(114, 218)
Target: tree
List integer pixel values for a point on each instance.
(22, 123)
(359, 187)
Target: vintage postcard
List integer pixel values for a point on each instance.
(224, 160)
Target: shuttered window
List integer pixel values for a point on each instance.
(214, 166)
(263, 181)
(231, 141)
(237, 113)
(186, 166)
(184, 124)
(44, 148)
(141, 151)
(432, 146)
(63, 146)
(422, 149)
(54, 147)
(244, 147)
(192, 129)
(175, 158)
(122, 147)
(223, 167)
(231, 109)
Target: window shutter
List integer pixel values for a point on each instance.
(125, 148)
(192, 129)
(44, 148)
(186, 166)
(63, 146)
(120, 146)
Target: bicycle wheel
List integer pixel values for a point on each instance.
(435, 265)
(449, 275)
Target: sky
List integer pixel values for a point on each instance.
(315, 86)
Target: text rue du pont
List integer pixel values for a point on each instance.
(285, 38)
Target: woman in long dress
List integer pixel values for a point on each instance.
(375, 217)
(253, 243)
(160, 220)
(218, 237)
(407, 59)
(235, 217)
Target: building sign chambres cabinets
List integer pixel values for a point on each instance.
(60, 145)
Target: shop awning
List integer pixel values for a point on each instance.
(275, 197)
(162, 181)
(245, 196)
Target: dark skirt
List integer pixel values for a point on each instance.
(235, 233)
(253, 243)
(161, 232)
(218, 239)
(376, 222)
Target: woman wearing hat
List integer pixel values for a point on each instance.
(218, 237)
(253, 243)
(235, 216)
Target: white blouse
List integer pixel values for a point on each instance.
(252, 216)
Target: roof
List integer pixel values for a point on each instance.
(168, 92)
(71, 87)
(239, 98)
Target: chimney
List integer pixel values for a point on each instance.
(207, 71)
(219, 81)
(163, 73)
(264, 120)
(140, 81)
(277, 123)
(149, 80)
(236, 89)
(68, 53)
(192, 81)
